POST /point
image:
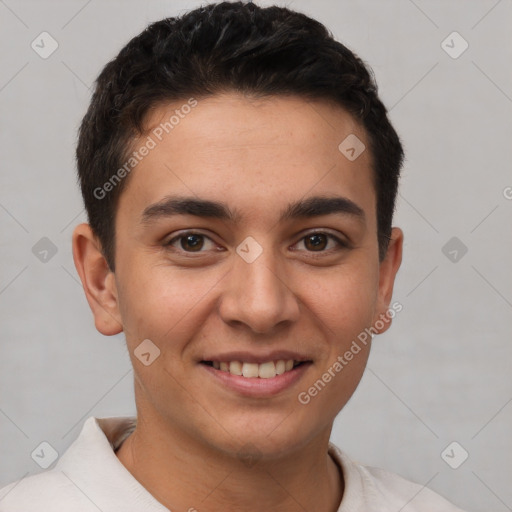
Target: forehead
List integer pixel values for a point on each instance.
(250, 153)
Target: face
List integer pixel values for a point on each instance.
(246, 236)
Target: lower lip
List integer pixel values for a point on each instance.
(255, 386)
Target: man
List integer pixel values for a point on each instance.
(239, 174)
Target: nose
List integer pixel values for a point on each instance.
(258, 295)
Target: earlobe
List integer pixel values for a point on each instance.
(97, 279)
(387, 273)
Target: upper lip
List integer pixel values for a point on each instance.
(250, 357)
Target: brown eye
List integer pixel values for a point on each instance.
(193, 242)
(315, 241)
(321, 242)
(190, 242)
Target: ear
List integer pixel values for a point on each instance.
(97, 279)
(387, 272)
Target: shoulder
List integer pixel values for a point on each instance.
(48, 491)
(86, 475)
(374, 489)
(412, 496)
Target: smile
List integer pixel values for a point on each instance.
(257, 380)
(266, 370)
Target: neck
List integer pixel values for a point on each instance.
(184, 474)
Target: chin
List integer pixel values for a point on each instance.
(268, 437)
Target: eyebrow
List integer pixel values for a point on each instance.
(304, 208)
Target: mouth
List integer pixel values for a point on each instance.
(260, 380)
(265, 370)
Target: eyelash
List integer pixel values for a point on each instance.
(341, 243)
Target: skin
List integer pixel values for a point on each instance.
(257, 156)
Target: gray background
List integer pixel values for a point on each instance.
(441, 374)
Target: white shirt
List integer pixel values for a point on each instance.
(89, 477)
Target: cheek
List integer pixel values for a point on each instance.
(343, 306)
(344, 301)
(166, 305)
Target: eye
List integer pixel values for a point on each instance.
(318, 241)
(190, 242)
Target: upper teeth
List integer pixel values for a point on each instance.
(263, 371)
